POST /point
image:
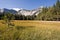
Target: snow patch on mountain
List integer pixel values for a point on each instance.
(16, 9)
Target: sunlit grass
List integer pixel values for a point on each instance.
(30, 30)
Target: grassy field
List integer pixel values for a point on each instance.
(30, 30)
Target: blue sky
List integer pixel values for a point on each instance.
(26, 4)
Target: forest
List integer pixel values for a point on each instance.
(51, 13)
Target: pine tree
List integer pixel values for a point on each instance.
(58, 9)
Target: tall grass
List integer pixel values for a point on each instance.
(47, 31)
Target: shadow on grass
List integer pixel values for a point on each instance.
(23, 27)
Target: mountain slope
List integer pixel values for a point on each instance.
(22, 11)
(30, 12)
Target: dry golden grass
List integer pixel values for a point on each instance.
(34, 23)
(43, 24)
(38, 24)
(31, 30)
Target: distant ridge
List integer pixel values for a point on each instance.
(21, 11)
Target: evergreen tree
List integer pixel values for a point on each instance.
(58, 9)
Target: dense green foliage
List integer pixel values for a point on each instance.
(50, 13)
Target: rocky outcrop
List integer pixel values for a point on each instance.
(22, 11)
(29, 12)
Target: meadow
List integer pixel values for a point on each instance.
(30, 30)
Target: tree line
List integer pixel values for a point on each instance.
(16, 16)
(51, 13)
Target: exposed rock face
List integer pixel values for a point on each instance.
(22, 11)
(29, 12)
